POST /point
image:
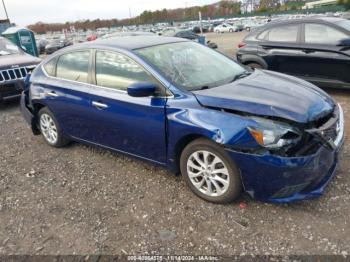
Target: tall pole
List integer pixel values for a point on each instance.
(7, 16)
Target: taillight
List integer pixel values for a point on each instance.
(241, 44)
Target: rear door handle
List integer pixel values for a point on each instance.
(99, 105)
(52, 94)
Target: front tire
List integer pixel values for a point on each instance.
(210, 172)
(50, 129)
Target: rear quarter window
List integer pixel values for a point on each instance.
(50, 67)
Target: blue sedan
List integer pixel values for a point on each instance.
(181, 105)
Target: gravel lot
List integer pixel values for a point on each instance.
(83, 200)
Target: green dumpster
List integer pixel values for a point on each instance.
(22, 37)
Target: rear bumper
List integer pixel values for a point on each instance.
(28, 115)
(278, 179)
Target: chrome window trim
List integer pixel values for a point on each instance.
(76, 82)
(96, 86)
(146, 68)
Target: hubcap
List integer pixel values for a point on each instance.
(48, 128)
(208, 173)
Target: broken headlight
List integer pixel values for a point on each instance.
(274, 134)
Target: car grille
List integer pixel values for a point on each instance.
(13, 74)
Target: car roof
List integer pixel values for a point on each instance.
(132, 42)
(314, 19)
(305, 19)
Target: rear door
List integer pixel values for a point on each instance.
(135, 125)
(280, 48)
(324, 61)
(66, 91)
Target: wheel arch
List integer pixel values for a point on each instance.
(37, 107)
(247, 59)
(180, 146)
(35, 125)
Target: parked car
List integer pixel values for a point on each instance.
(56, 45)
(42, 43)
(213, 25)
(225, 28)
(91, 38)
(14, 67)
(239, 27)
(188, 34)
(197, 29)
(225, 128)
(315, 49)
(123, 34)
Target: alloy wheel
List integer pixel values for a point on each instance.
(208, 173)
(48, 128)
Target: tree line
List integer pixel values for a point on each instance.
(222, 8)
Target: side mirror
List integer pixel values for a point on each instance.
(142, 89)
(344, 42)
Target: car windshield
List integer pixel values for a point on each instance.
(345, 24)
(8, 48)
(191, 65)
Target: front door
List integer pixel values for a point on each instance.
(129, 124)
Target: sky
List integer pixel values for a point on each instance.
(59, 11)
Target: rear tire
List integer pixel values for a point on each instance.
(50, 129)
(231, 30)
(254, 65)
(210, 172)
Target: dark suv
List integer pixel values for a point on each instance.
(315, 49)
(14, 67)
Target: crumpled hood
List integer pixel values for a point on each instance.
(22, 59)
(270, 94)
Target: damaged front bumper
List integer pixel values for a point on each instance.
(278, 179)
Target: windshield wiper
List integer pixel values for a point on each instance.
(241, 75)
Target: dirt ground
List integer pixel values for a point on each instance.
(228, 42)
(83, 200)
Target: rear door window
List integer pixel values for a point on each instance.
(285, 33)
(323, 34)
(74, 66)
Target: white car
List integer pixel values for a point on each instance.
(224, 28)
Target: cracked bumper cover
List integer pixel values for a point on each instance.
(279, 179)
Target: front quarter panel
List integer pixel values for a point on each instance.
(187, 118)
